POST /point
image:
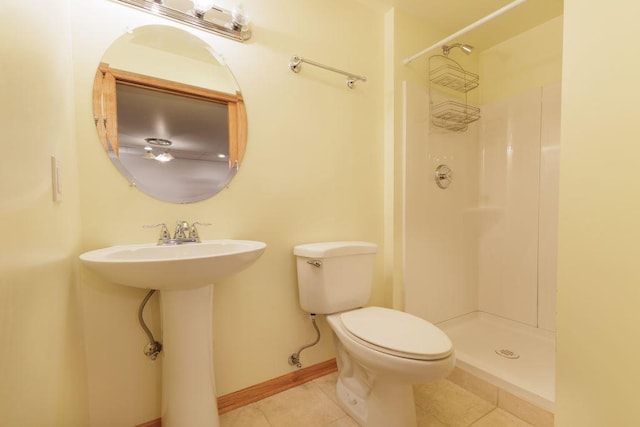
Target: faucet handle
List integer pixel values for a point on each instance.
(164, 231)
(193, 232)
(182, 227)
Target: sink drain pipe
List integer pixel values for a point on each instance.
(153, 347)
(294, 359)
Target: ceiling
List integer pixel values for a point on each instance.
(197, 129)
(450, 16)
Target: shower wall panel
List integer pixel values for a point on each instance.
(488, 242)
(548, 228)
(440, 250)
(509, 152)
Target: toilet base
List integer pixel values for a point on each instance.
(387, 404)
(352, 404)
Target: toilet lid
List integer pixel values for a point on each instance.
(397, 333)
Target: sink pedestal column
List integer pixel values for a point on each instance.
(188, 382)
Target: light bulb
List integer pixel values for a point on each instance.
(202, 6)
(239, 19)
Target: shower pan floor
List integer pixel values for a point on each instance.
(513, 356)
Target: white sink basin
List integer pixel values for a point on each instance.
(173, 267)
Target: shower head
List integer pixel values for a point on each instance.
(463, 47)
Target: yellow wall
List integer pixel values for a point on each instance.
(42, 371)
(530, 60)
(599, 272)
(313, 171)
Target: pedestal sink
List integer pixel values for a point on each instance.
(184, 274)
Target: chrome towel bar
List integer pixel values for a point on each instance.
(296, 63)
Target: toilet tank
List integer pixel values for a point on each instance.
(334, 276)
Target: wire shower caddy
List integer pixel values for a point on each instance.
(452, 115)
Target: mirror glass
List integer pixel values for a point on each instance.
(169, 114)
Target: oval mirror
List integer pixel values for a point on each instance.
(169, 114)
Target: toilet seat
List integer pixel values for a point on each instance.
(396, 333)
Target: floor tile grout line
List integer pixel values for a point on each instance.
(483, 416)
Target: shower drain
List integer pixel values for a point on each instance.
(507, 353)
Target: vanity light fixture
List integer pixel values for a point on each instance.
(232, 24)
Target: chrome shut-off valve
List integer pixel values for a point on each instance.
(152, 350)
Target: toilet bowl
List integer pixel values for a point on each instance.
(380, 352)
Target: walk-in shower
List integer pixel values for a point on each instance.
(480, 252)
(480, 211)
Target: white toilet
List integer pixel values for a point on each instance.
(380, 352)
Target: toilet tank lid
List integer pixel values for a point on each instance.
(330, 249)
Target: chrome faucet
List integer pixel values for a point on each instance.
(182, 230)
(183, 233)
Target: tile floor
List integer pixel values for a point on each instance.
(314, 404)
